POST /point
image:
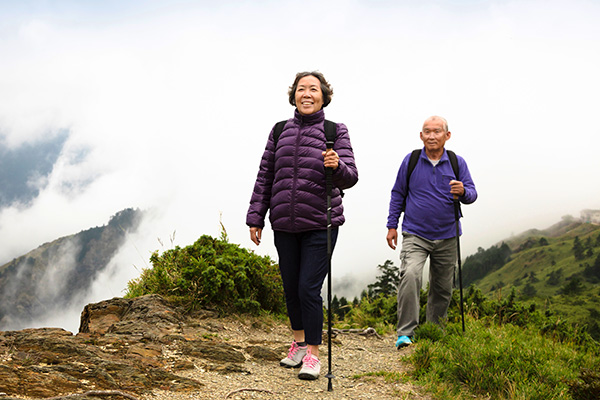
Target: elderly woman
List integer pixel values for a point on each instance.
(291, 184)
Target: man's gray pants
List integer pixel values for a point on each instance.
(442, 261)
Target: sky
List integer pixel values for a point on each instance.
(166, 106)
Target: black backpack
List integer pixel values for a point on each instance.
(414, 158)
(330, 131)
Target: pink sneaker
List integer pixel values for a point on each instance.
(311, 367)
(294, 357)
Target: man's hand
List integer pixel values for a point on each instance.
(255, 234)
(457, 189)
(392, 238)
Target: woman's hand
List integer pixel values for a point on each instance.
(330, 159)
(255, 234)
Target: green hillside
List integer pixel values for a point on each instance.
(557, 269)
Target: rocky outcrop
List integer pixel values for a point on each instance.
(129, 345)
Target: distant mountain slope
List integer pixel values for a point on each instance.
(25, 169)
(556, 268)
(51, 276)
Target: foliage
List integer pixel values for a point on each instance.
(502, 362)
(510, 349)
(340, 307)
(592, 273)
(213, 273)
(587, 386)
(502, 311)
(578, 249)
(554, 277)
(550, 276)
(385, 284)
(378, 312)
(574, 286)
(528, 291)
(429, 331)
(483, 262)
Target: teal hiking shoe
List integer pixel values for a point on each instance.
(403, 341)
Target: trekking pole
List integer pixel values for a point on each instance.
(456, 217)
(329, 185)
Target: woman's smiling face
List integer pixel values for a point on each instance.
(309, 97)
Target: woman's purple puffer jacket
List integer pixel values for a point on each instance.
(291, 178)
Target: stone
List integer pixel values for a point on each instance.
(119, 347)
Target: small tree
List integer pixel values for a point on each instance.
(532, 277)
(528, 291)
(335, 305)
(589, 253)
(386, 283)
(554, 277)
(344, 308)
(573, 287)
(593, 272)
(578, 249)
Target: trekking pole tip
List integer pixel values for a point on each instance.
(329, 384)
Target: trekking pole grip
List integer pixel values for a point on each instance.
(329, 172)
(456, 208)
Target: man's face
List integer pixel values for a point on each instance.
(434, 135)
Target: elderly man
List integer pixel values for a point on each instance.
(426, 196)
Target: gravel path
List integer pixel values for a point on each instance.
(353, 356)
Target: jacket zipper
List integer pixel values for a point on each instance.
(295, 177)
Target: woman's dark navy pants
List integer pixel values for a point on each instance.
(303, 264)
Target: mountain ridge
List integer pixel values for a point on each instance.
(56, 273)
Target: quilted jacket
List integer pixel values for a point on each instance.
(291, 178)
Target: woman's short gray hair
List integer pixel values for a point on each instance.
(326, 88)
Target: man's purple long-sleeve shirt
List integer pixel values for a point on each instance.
(428, 206)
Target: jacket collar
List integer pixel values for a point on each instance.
(311, 119)
(444, 157)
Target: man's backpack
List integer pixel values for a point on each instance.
(330, 131)
(414, 158)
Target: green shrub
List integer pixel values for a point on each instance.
(378, 313)
(429, 331)
(503, 362)
(586, 386)
(215, 274)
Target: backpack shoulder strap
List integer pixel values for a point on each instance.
(412, 163)
(453, 162)
(277, 131)
(330, 134)
(330, 131)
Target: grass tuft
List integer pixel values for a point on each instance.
(503, 362)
